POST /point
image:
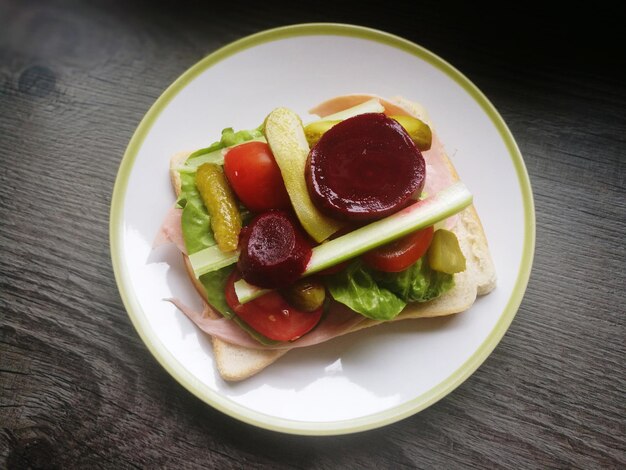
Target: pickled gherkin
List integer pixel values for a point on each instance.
(221, 204)
(316, 130)
(444, 253)
(418, 130)
(306, 295)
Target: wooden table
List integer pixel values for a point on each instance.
(78, 388)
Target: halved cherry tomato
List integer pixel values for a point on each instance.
(400, 254)
(255, 177)
(270, 314)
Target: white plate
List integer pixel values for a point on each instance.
(363, 380)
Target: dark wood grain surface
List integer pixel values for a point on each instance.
(78, 389)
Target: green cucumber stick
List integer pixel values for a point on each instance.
(422, 214)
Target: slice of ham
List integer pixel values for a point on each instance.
(337, 321)
(171, 230)
(340, 103)
(438, 175)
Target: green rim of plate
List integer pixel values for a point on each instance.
(231, 408)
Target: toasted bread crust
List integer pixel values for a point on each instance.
(237, 363)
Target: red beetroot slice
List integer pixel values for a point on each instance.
(274, 251)
(364, 168)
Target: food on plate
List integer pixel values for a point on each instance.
(254, 175)
(296, 233)
(221, 205)
(285, 134)
(274, 252)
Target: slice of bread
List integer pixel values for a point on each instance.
(237, 363)
(233, 362)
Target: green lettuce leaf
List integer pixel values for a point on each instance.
(196, 222)
(356, 288)
(382, 296)
(214, 284)
(228, 139)
(196, 225)
(188, 190)
(417, 283)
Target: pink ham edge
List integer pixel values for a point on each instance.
(339, 320)
(438, 176)
(171, 230)
(221, 328)
(340, 103)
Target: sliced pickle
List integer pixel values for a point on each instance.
(418, 130)
(444, 253)
(306, 295)
(221, 204)
(316, 130)
(285, 136)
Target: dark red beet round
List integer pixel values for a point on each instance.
(364, 168)
(274, 251)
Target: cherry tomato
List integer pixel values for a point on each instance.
(255, 177)
(400, 254)
(270, 314)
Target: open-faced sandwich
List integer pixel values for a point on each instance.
(295, 233)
